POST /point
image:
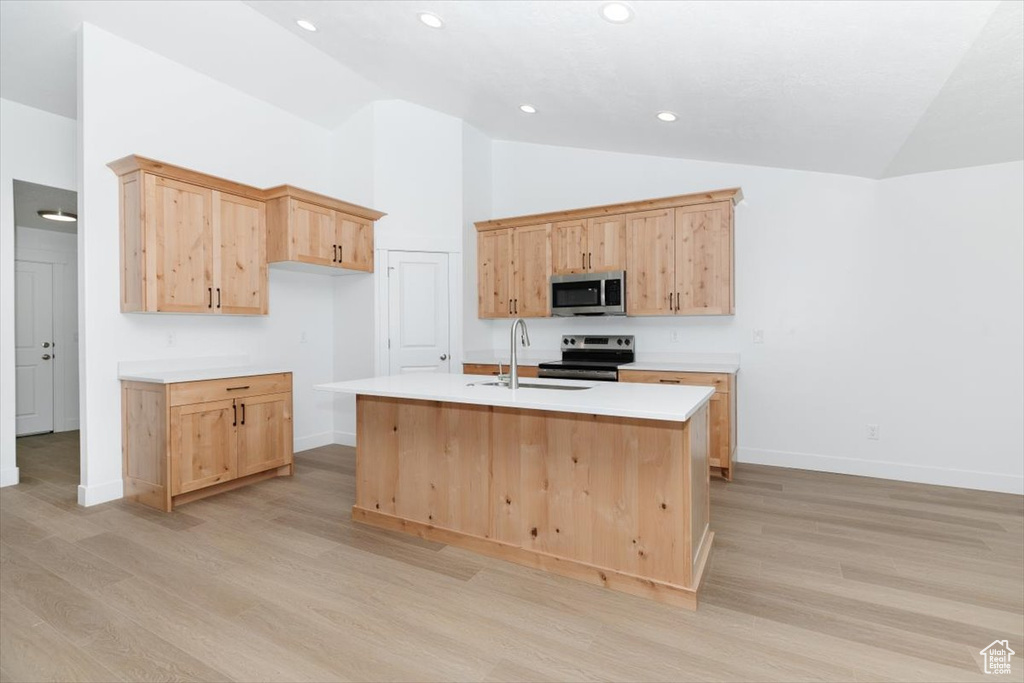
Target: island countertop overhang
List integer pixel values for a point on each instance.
(641, 401)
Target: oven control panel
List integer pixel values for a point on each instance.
(597, 343)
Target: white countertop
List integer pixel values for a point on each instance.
(646, 401)
(668, 362)
(172, 376)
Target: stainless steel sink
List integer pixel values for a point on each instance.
(531, 385)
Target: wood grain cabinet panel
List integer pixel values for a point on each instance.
(722, 408)
(313, 234)
(186, 441)
(650, 259)
(531, 266)
(181, 222)
(606, 243)
(704, 259)
(494, 274)
(479, 369)
(241, 266)
(569, 247)
(355, 242)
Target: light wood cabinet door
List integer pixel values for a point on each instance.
(494, 274)
(203, 445)
(606, 243)
(355, 242)
(569, 247)
(650, 262)
(531, 267)
(181, 228)
(704, 259)
(240, 270)
(313, 233)
(264, 432)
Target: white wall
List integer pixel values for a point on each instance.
(880, 302)
(60, 249)
(135, 102)
(37, 147)
(476, 206)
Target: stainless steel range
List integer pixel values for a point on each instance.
(590, 357)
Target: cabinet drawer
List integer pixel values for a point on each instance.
(482, 369)
(184, 393)
(722, 382)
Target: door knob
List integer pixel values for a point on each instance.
(444, 356)
(46, 356)
(46, 345)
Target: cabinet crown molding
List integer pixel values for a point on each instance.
(134, 162)
(733, 194)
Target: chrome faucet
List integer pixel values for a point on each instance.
(513, 364)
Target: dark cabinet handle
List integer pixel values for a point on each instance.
(515, 306)
(218, 297)
(510, 306)
(210, 291)
(583, 259)
(677, 301)
(663, 381)
(234, 413)
(590, 259)
(243, 413)
(334, 259)
(670, 301)
(238, 388)
(341, 254)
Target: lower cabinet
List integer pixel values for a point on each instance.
(480, 369)
(188, 440)
(722, 408)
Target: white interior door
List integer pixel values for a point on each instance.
(33, 334)
(418, 324)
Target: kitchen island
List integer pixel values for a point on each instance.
(599, 481)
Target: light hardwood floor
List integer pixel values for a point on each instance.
(813, 577)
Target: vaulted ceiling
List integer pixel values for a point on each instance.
(869, 88)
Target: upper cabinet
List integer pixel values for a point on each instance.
(307, 228)
(513, 269)
(195, 243)
(188, 247)
(677, 253)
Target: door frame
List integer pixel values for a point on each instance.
(63, 421)
(381, 352)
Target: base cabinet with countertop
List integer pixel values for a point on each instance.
(187, 440)
(722, 408)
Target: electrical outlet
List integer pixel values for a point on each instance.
(172, 339)
(304, 337)
(673, 336)
(872, 432)
(759, 336)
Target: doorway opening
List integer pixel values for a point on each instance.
(46, 335)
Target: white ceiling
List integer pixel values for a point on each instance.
(31, 198)
(862, 88)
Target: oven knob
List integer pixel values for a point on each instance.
(565, 341)
(627, 342)
(619, 342)
(572, 341)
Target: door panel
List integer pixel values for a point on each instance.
(531, 267)
(184, 246)
(33, 327)
(650, 262)
(313, 233)
(494, 286)
(569, 247)
(203, 445)
(242, 277)
(704, 259)
(264, 433)
(418, 324)
(606, 243)
(355, 242)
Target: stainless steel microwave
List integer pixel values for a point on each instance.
(589, 293)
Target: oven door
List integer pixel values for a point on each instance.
(588, 294)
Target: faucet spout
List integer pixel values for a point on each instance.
(513, 369)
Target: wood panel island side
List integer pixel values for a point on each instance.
(606, 484)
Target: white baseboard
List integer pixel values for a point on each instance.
(345, 438)
(70, 425)
(304, 443)
(100, 493)
(9, 476)
(921, 474)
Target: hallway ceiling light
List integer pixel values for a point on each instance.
(431, 20)
(58, 215)
(527, 109)
(308, 25)
(667, 116)
(617, 12)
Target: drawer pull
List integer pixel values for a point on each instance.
(234, 413)
(238, 388)
(669, 381)
(243, 413)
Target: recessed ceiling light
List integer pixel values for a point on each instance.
(527, 108)
(616, 12)
(667, 116)
(308, 25)
(431, 20)
(58, 215)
